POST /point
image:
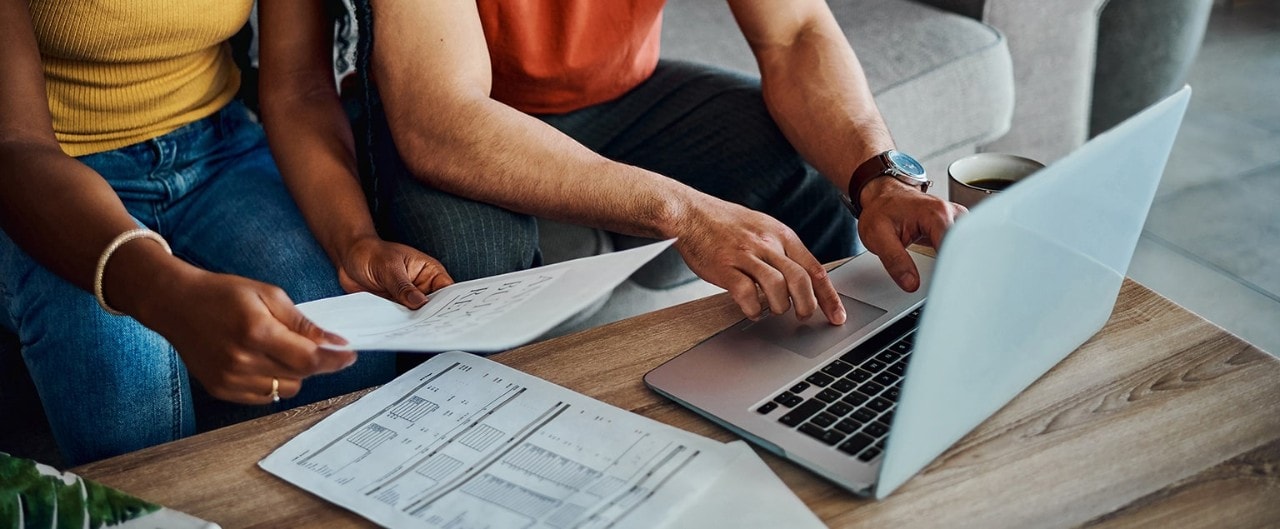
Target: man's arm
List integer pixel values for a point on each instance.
(815, 89)
(432, 66)
(312, 143)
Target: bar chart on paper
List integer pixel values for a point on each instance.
(465, 442)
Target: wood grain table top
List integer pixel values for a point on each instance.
(1160, 420)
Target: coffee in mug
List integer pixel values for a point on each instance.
(978, 176)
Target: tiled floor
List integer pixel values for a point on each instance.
(1212, 242)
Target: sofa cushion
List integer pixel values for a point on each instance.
(941, 80)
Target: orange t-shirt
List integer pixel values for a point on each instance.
(556, 56)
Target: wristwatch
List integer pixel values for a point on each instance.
(893, 163)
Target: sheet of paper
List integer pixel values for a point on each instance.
(488, 314)
(748, 495)
(464, 442)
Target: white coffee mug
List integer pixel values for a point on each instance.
(978, 176)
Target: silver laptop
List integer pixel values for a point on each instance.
(1019, 283)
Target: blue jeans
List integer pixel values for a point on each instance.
(110, 385)
(704, 127)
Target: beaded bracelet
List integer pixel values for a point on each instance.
(120, 240)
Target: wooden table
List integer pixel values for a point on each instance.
(1162, 419)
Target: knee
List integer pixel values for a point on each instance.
(495, 245)
(471, 239)
(108, 386)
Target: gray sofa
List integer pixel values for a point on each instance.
(951, 77)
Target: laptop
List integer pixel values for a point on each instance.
(1020, 282)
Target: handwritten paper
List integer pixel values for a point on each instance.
(489, 314)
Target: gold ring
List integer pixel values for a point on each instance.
(275, 389)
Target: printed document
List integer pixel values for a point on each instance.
(488, 314)
(464, 442)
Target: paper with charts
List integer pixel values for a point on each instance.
(464, 442)
(488, 314)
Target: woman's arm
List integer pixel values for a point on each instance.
(232, 333)
(312, 143)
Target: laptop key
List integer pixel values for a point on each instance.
(819, 379)
(879, 404)
(839, 409)
(873, 365)
(899, 369)
(800, 387)
(875, 429)
(823, 419)
(862, 416)
(829, 437)
(766, 408)
(793, 401)
(859, 376)
(783, 397)
(848, 426)
(812, 430)
(888, 356)
(854, 399)
(837, 369)
(828, 396)
(844, 385)
(870, 389)
(855, 444)
(802, 412)
(867, 456)
(886, 378)
(892, 393)
(833, 436)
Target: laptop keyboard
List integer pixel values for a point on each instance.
(849, 403)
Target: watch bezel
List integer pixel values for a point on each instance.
(906, 168)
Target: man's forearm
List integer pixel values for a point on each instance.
(486, 151)
(815, 89)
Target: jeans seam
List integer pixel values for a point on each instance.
(175, 396)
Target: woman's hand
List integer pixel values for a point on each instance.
(393, 271)
(236, 334)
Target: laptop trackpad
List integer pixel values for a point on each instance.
(811, 338)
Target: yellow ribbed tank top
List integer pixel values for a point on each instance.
(118, 72)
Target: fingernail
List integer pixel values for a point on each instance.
(334, 339)
(350, 362)
(908, 282)
(841, 316)
(417, 299)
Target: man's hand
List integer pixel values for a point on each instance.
(747, 252)
(894, 216)
(393, 271)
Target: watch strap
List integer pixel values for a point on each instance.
(867, 171)
(875, 167)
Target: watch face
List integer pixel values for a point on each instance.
(907, 164)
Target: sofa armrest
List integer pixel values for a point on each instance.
(1053, 46)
